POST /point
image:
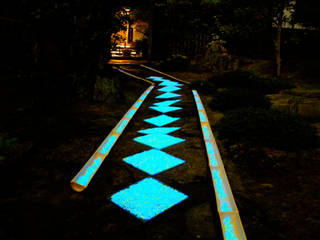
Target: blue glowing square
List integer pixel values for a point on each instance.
(165, 109)
(161, 120)
(154, 78)
(168, 95)
(167, 102)
(169, 89)
(147, 198)
(158, 141)
(170, 83)
(153, 161)
(163, 130)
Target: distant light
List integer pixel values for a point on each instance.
(161, 120)
(147, 198)
(153, 161)
(158, 141)
(162, 130)
(165, 109)
(168, 95)
(167, 103)
(169, 89)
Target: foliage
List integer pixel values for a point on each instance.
(6, 145)
(248, 79)
(205, 87)
(142, 46)
(176, 62)
(217, 58)
(261, 127)
(238, 98)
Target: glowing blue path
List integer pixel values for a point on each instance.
(170, 83)
(154, 78)
(169, 95)
(153, 161)
(161, 120)
(163, 130)
(167, 102)
(158, 141)
(165, 109)
(147, 198)
(169, 89)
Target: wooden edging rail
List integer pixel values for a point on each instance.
(155, 70)
(84, 176)
(229, 215)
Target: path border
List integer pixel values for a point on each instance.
(85, 175)
(228, 212)
(155, 70)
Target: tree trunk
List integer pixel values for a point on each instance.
(278, 50)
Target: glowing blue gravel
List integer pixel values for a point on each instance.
(147, 198)
(167, 102)
(158, 141)
(168, 95)
(163, 130)
(165, 109)
(229, 233)
(161, 120)
(88, 172)
(169, 89)
(212, 157)
(108, 145)
(153, 161)
(202, 117)
(225, 205)
(122, 126)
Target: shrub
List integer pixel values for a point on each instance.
(238, 98)
(261, 127)
(176, 62)
(205, 87)
(248, 79)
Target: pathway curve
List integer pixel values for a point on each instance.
(156, 180)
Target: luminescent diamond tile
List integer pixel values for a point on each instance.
(167, 103)
(147, 198)
(170, 83)
(168, 95)
(163, 130)
(161, 120)
(154, 78)
(153, 161)
(169, 89)
(165, 109)
(158, 141)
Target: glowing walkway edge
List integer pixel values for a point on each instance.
(229, 215)
(84, 176)
(152, 69)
